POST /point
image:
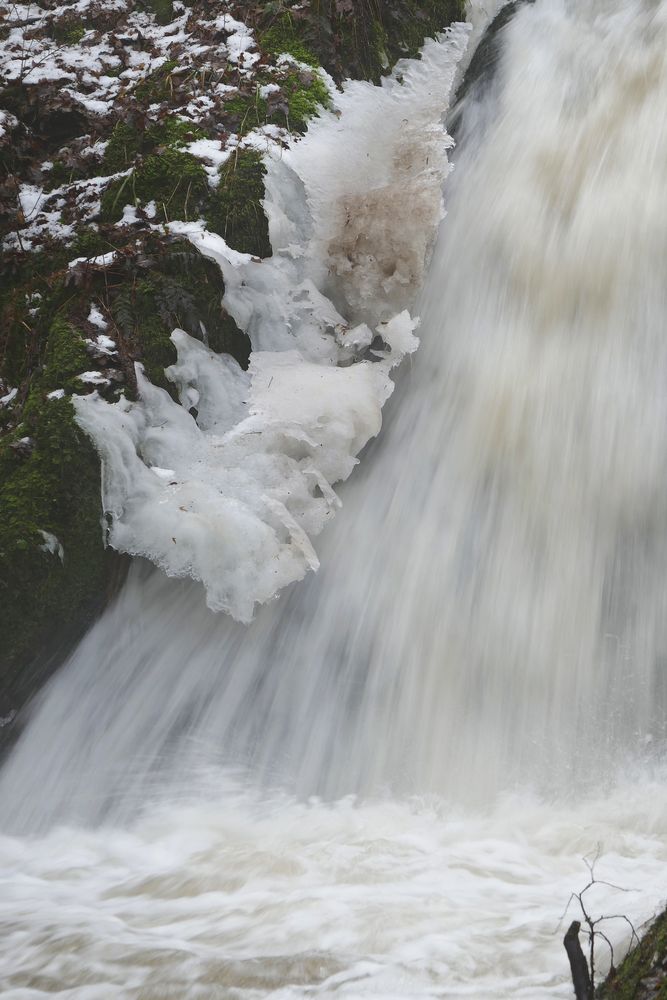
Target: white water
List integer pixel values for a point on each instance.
(386, 784)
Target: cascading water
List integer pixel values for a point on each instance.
(385, 784)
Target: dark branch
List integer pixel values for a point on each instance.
(581, 979)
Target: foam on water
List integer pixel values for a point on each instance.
(249, 899)
(385, 786)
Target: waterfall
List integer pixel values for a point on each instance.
(386, 783)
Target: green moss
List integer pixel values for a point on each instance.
(61, 174)
(123, 146)
(647, 962)
(90, 242)
(304, 93)
(28, 302)
(163, 10)
(75, 34)
(174, 180)
(305, 98)
(137, 314)
(181, 289)
(68, 31)
(246, 112)
(65, 358)
(171, 131)
(158, 86)
(235, 210)
(282, 37)
(53, 489)
(127, 141)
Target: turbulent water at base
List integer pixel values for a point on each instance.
(386, 784)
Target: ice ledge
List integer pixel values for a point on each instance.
(231, 486)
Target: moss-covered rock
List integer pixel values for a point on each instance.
(283, 36)
(52, 563)
(68, 31)
(163, 10)
(174, 180)
(127, 141)
(363, 39)
(643, 973)
(31, 293)
(306, 94)
(157, 87)
(171, 286)
(235, 209)
(303, 95)
(49, 471)
(246, 111)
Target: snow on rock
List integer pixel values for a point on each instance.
(97, 319)
(8, 123)
(52, 545)
(212, 153)
(101, 347)
(30, 199)
(129, 217)
(9, 397)
(93, 378)
(103, 260)
(240, 42)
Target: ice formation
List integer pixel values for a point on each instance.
(231, 486)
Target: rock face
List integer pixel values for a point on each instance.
(115, 120)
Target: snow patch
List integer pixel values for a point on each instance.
(9, 397)
(129, 217)
(103, 260)
(93, 378)
(8, 122)
(97, 319)
(52, 545)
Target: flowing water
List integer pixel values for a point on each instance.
(386, 784)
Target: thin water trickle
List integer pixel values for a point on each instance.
(385, 784)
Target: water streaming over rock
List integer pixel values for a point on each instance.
(386, 783)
